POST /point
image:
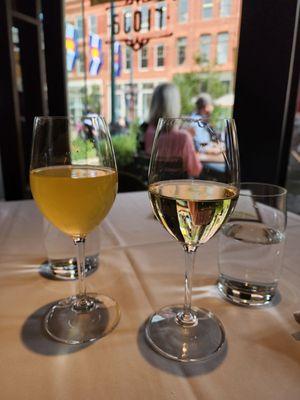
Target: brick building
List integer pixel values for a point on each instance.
(184, 36)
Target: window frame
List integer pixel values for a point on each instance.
(79, 31)
(178, 46)
(161, 5)
(219, 50)
(207, 4)
(225, 8)
(127, 53)
(93, 20)
(202, 36)
(142, 58)
(156, 57)
(183, 17)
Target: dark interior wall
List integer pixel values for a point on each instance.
(266, 87)
(42, 60)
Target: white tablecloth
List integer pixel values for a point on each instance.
(142, 267)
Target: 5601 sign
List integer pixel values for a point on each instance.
(137, 21)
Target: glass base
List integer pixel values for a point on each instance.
(246, 293)
(66, 269)
(196, 342)
(66, 323)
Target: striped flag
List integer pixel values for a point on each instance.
(71, 46)
(96, 60)
(117, 58)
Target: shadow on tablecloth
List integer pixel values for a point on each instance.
(176, 367)
(37, 340)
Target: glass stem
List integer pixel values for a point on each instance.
(187, 317)
(82, 303)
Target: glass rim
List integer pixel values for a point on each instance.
(66, 117)
(189, 118)
(281, 191)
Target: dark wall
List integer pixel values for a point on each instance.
(266, 87)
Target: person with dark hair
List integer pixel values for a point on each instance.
(204, 109)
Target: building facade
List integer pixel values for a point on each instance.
(179, 36)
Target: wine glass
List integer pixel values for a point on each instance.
(73, 179)
(192, 207)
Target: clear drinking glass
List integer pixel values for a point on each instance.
(61, 260)
(251, 245)
(192, 201)
(73, 179)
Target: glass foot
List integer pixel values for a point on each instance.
(66, 323)
(196, 342)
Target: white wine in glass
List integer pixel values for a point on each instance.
(75, 189)
(192, 209)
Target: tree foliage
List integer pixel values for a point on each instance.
(191, 84)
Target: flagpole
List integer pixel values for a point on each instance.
(112, 69)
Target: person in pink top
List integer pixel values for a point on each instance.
(166, 103)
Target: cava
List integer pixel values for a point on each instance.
(192, 211)
(74, 198)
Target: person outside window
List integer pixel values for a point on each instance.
(166, 103)
(203, 109)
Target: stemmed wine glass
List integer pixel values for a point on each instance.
(192, 209)
(73, 179)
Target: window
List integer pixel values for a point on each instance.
(128, 54)
(79, 26)
(145, 21)
(222, 48)
(181, 50)
(161, 15)
(93, 24)
(207, 9)
(160, 56)
(80, 64)
(127, 20)
(183, 11)
(225, 8)
(143, 57)
(205, 48)
(226, 85)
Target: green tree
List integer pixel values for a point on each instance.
(191, 84)
(93, 99)
(189, 88)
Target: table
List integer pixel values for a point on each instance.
(142, 267)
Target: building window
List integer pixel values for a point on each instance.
(161, 15)
(160, 56)
(143, 58)
(145, 21)
(79, 26)
(226, 85)
(93, 24)
(80, 64)
(127, 20)
(222, 48)
(128, 57)
(183, 11)
(207, 9)
(181, 50)
(205, 48)
(225, 8)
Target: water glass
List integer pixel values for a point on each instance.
(61, 260)
(251, 245)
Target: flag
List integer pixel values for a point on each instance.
(117, 59)
(96, 61)
(71, 46)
